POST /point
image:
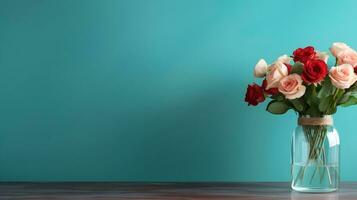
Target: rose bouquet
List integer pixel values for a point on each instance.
(306, 84)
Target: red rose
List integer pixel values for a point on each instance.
(355, 69)
(314, 71)
(254, 95)
(304, 54)
(271, 91)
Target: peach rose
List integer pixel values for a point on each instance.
(291, 86)
(276, 72)
(337, 47)
(347, 56)
(343, 76)
(261, 68)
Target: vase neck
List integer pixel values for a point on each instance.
(315, 121)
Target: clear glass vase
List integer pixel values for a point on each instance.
(315, 150)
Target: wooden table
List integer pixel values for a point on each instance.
(169, 191)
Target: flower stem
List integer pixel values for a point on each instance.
(315, 136)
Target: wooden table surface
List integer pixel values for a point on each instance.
(167, 191)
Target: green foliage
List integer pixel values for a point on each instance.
(325, 104)
(349, 98)
(312, 102)
(298, 104)
(277, 107)
(310, 96)
(278, 97)
(351, 101)
(297, 68)
(313, 111)
(326, 89)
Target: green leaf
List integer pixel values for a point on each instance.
(352, 88)
(311, 96)
(297, 68)
(325, 103)
(277, 107)
(313, 111)
(298, 105)
(349, 95)
(331, 111)
(346, 97)
(352, 100)
(328, 105)
(326, 89)
(340, 93)
(278, 97)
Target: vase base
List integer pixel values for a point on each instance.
(313, 190)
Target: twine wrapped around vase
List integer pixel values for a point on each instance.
(316, 121)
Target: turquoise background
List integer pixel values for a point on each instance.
(153, 90)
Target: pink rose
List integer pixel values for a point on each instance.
(337, 47)
(344, 53)
(291, 86)
(347, 56)
(276, 72)
(343, 76)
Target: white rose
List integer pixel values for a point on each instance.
(322, 56)
(261, 68)
(284, 59)
(276, 72)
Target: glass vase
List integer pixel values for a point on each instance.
(315, 156)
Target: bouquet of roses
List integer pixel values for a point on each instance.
(303, 82)
(306, 84)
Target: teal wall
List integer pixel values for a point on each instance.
(153, 90)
